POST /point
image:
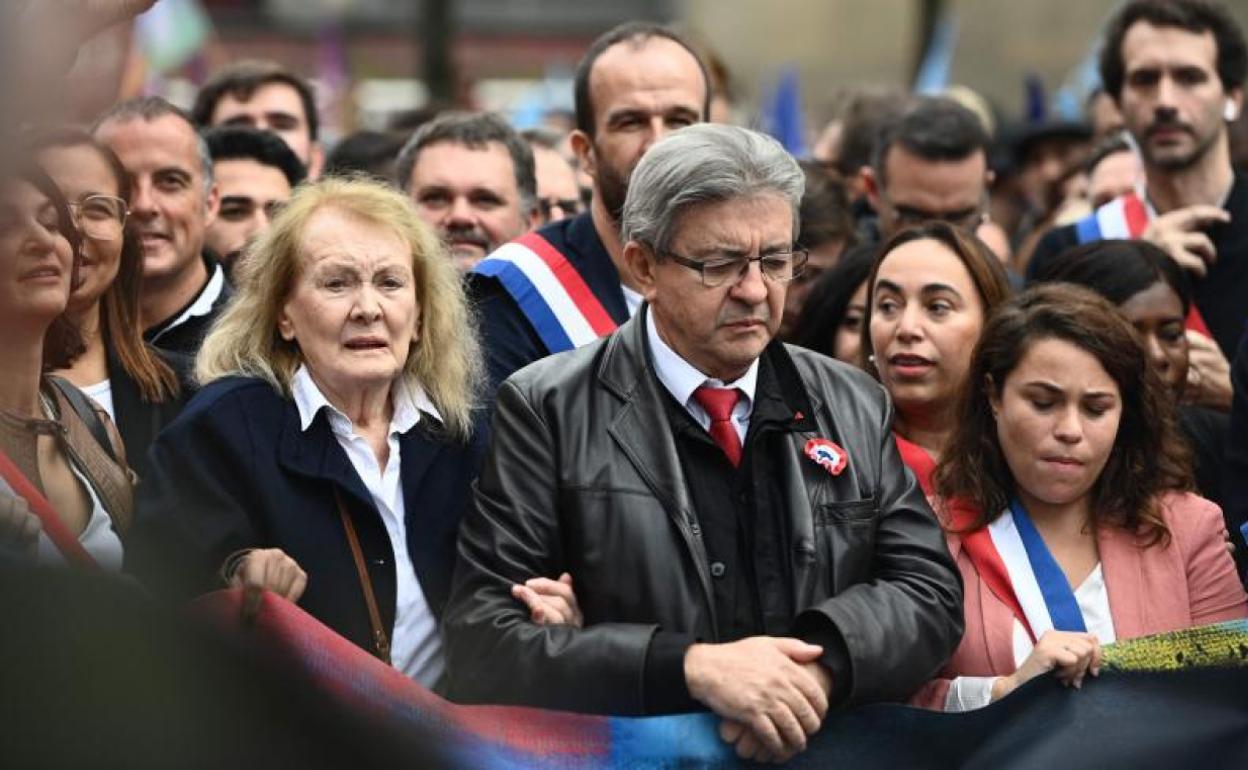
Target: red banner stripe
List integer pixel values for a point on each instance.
(53, 527)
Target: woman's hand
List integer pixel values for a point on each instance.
(1069, 655)
(550, 602)
(1208, 374)
(270, 569)
(19, 528)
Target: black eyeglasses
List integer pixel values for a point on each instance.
(967, 219)
(780, 266)
(569, 206)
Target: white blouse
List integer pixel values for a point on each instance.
(415, 644)
(972, 692)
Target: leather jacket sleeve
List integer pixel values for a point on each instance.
(495, 653)
(900, 627)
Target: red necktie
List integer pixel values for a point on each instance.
(719, 403)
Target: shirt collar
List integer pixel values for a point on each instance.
(409, 401)
(204, 301)
(632, 300)
(682, 378)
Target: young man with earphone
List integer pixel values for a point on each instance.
(1176, 69)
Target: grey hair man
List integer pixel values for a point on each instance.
(472, 178)
(174, 200)
(726, 518)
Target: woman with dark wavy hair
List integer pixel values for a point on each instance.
(135, 384)
(1065, 492)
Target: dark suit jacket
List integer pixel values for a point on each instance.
(583, 475)
(236, 471)
(509, 339)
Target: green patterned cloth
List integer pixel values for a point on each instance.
(1220, 644)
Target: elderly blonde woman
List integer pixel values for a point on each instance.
(331, 449)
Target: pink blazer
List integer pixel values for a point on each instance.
(1190, 582)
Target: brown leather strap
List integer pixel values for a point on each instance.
(381, 642)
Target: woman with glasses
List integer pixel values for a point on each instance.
(930, 290)
(135, 385)
(58, 454)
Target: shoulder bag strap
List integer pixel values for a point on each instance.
(78, 402)
(381, 643)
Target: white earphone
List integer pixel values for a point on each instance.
(1229, 111)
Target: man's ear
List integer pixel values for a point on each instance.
(212, 203)
(641, 263)
(583, 147)
(870, 186)
(316, 161)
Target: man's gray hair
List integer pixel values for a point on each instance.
(474, 130)
(150, 108)
(705, 163)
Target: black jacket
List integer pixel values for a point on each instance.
(139, 421)
(582, 475)
(235, 471)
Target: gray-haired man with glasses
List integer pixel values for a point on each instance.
(714, 520)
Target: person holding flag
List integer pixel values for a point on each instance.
(1064, 493)
(1176, 70)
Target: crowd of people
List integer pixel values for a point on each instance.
(653, 417)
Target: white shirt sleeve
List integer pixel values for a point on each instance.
(968, 693)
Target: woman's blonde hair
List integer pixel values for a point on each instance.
(446, 360)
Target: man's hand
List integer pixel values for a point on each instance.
(550, 602)
(1208, 374)
(760, 684)
(1178, 234)
(750, 746)
(19, 528)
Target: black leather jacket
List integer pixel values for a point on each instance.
(582, 476)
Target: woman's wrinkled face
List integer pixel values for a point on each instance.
(90, 187)
(1157, 314)
(36, 259)
(353, 308)
(1057, 419)
(926, 316)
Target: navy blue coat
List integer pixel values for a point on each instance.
(510, 341)
(235, 471)
(1236, 473)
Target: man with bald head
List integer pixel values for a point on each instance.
(566, 284)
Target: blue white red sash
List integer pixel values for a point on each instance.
(1041, 588)
(550, 292)
(1126, 218)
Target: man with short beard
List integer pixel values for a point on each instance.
(566, 284)
(1176, 70)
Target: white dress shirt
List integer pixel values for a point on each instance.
(201, 306)
(972, 692)
(415, 644)
(682, 378)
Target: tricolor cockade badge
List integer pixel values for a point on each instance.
(827, 454)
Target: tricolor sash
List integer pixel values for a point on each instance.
(549, 291)
(1126, 218)
(12, 477)
(1017, 567)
